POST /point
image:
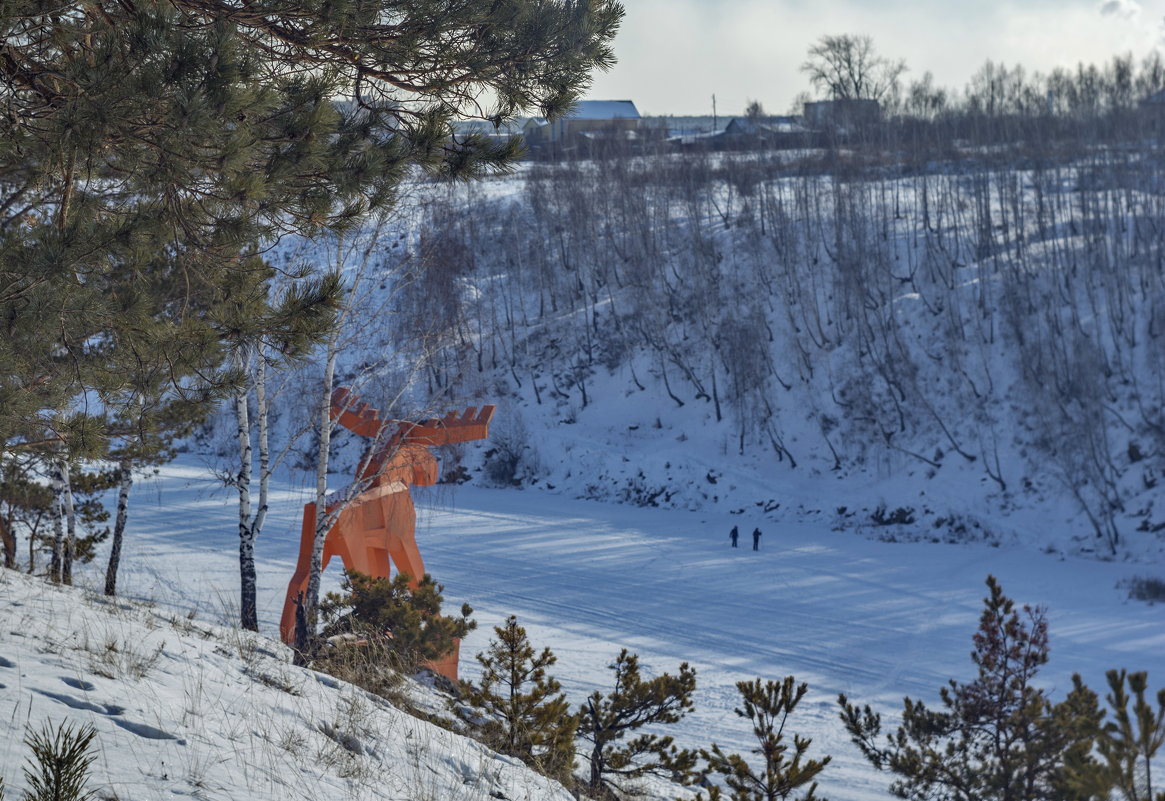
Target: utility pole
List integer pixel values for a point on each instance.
(713, 113)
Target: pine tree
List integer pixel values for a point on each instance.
(527, 715)
(1129, 742)
(406, 620)
(58, 769)
(604, 722)
(998, 737)
(147, 148)
(25, 501)
(767, 706)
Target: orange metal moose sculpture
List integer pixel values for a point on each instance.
(378, 526)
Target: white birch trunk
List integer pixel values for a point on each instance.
(248, 610)
(261, 412)
(124, 483)
(322, 522)
(348, 326)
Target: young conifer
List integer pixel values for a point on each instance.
(1129, 742)
(58, 769)
(998, 737)
(527, 714)
(406, 620)
(782, 771)
(604, 722)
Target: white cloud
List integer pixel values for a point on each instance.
(1125, 9)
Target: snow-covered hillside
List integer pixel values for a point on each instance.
(969, 346)
(905, 381)
(183, 708)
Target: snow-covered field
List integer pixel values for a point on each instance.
(875, 620)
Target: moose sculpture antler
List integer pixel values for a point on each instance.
(377, 527)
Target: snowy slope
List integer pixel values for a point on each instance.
(998, 390)
(876, 620)
(183, 708)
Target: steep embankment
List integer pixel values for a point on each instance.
(971, 350)
(184, 708)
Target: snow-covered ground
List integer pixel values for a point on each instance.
(876, 620)
(185, 708)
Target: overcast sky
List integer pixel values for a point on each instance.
(675, 54)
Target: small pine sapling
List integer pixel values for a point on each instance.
(527, 714)
(406, 620)
(997, 738)
(59, 766)
(1129, 742)
(633, 703)
(782, 771)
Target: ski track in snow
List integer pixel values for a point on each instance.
(846, 614)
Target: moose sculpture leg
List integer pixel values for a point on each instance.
(362, 541)
(376, 529)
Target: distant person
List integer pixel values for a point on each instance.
(756, 539)
(734, 535)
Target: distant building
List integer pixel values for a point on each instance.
(504, 130)
(1155, 100)
(745, 133)
(581, 126)
(842, 115)
(1154, 105)
(1153, 112)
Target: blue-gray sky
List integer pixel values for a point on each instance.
(675, 54)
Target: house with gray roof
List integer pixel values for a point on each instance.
(1152, 112)
(583, 125)
(1157, 99)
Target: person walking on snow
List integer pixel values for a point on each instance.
(734, 535)
(756, 539)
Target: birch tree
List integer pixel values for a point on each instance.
(358, 321)
(305, 311)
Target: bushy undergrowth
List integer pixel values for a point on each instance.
(1147, 588)
(377, 628)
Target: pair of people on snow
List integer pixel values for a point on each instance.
(734, 535)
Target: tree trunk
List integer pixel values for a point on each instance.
(70, 527)
(596, 767)
(8, 538)
(322, 523)
(261, 412)
(56, 512)
(124, 482)
(250, 525)
(248, 606)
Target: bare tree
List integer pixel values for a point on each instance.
(392, 374)
(847, 67)
(306, 316)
